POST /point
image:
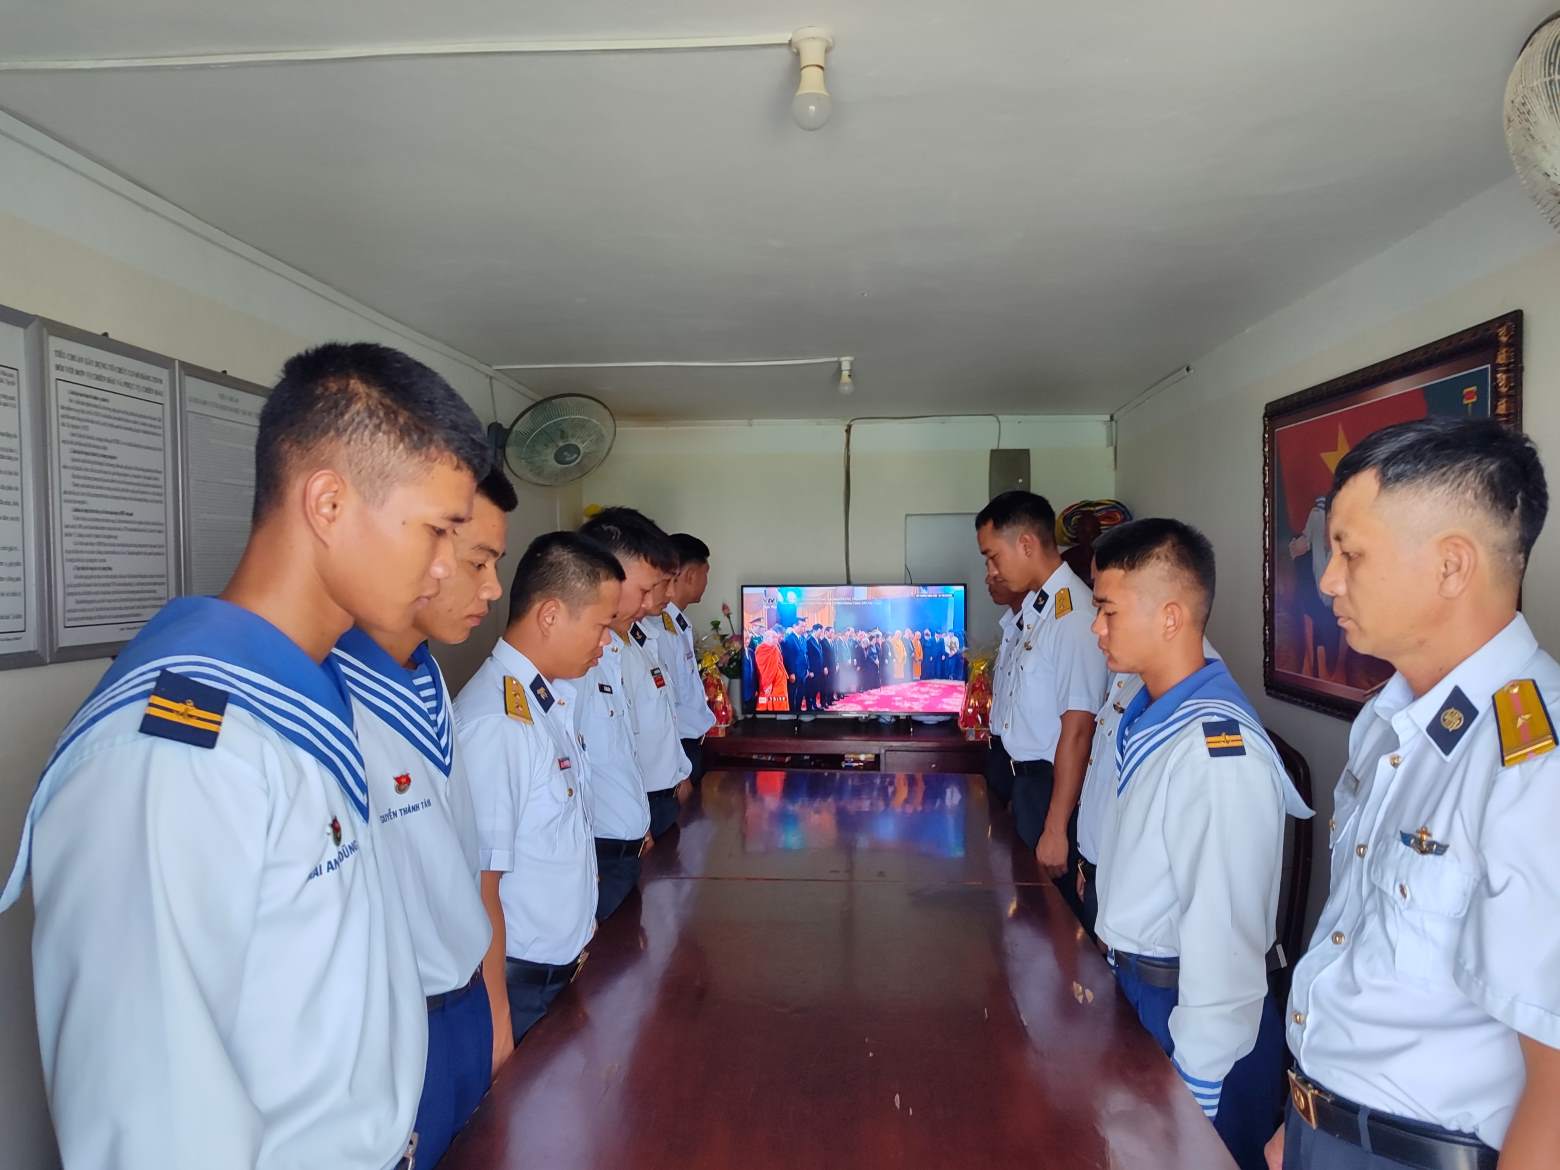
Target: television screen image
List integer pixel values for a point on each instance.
(854, 649)
(795, 811)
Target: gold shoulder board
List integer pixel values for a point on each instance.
(516, 704)
(1525, 729)
(1063, 603)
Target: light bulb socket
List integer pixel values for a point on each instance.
(812, 104)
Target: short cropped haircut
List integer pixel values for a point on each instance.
(385, 412)
(690, 549)
(564, 565)
(495, 488)
(1176, 545)
(1016, 512)
(631, 535)
(1473, 463)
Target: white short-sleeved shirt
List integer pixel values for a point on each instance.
(420, 806)
(1191, 861)
(1001, 664)
(648, 685)
(1437, 947)
(219, 981)
(528, 776)
(615, 796)
(694, 716)
(1056, 667)
(1098, 798)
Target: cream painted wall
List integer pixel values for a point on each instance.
(768, 497)
(1196, 451)
(81, 247)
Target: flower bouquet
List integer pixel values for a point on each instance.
(720, 660)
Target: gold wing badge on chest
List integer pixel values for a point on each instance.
(1422, 843)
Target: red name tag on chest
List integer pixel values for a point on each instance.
(655, 673)
(564, 763)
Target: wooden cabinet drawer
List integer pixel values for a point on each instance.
(945, 760)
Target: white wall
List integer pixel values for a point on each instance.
(84, 247)
(1196, 450)
(767, 497)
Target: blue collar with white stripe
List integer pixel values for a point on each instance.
(1148, 723)
(260, 669)
(409, 700)
(263, 670)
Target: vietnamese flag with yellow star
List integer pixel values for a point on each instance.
(1310, 449)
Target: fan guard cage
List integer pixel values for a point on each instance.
(560, 439)
(1533, 117)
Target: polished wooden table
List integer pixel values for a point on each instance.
(839, 970)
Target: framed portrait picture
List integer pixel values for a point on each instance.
(1475, 374)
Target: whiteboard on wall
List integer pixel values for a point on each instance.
(940, 549)
(219, 419)
(22, 485)
(112, 435)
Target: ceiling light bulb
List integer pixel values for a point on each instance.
(812, 104)
(847, 383)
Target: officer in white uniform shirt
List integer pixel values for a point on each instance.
(694, 717)
(1192, 856)
(1425, 1016)
(647, 683)
(618, 803)
(999, 770)
(420, 805)
(516, 720)
(220, 980)
(1055, 684)
(1099, 784)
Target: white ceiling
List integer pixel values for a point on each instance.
(1039, 207)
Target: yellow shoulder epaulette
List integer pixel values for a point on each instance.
(1063, 603)
(1525, 728)
(516, 704)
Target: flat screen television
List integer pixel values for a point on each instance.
(853, 650)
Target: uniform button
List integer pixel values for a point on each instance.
(571, 792)
(1337, 938)
(1091, 759)
(1395, 761)
(1332, 825)
(1359, 850)
(1403, 891)
(1298, 1017)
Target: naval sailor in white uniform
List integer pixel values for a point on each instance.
(221, 978)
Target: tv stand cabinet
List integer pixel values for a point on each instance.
(827, 744)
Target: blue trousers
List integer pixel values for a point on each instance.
(999, 776)
(664, 810)
(1253, 1097)
(619, 875)
(1311, 1149)
(460, 1065)
(529, 995)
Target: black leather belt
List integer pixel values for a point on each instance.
(437, 1001)
(542, 974)
(611, 848)
(1165, 973)
(1031, 767)
(1397, 1139)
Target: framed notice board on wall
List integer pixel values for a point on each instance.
(112, 441)
(219, 419)
(23, 587)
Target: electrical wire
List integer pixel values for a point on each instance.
(494, 48)
(849, 427)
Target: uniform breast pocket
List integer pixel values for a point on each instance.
(1426, 899)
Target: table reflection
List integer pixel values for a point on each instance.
(790, 811)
